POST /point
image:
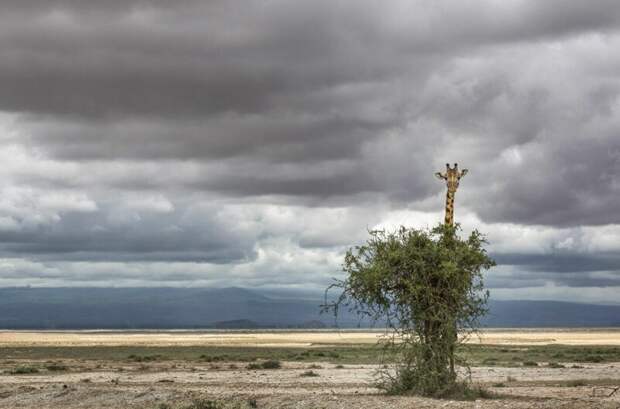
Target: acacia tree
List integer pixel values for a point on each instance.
(424, 284)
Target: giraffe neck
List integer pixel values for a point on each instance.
(449, 220)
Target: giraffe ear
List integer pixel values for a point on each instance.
(439, 175)
(464, 172)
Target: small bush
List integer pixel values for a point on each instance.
(530, 363)
(143, 358)
(555, 365)
(205, 404)
(271, 364)
(309, 374)
(576, 382)
(577, 367)
(24, 369)
(339, 366)
(499, 385)
(55, 367)
(315, 366)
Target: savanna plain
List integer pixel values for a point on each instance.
(534, 368)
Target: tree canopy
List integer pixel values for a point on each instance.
(427, 286)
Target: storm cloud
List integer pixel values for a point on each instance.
(216, 143)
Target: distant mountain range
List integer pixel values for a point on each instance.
(230, 308)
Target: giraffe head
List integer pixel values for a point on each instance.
(452, 176)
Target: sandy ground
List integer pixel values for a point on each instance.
(99, 385)
(289, 339)
(127, 385)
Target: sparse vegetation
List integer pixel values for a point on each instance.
(476, 355)
(530, 363)
(23, 370)
(309, 374)
(576, 382)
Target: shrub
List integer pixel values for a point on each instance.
(24, 369)
(530, 363)
(309, 374)
(55, 367)
(271, 364)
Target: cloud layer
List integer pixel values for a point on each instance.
(209, 143)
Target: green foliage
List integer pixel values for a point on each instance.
(424, 284)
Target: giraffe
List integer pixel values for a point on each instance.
(452, 177)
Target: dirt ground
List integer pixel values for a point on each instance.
(150, 385)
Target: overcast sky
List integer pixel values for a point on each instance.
(220, 143)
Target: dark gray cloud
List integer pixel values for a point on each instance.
(120, 118)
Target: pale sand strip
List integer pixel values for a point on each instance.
(288, 339)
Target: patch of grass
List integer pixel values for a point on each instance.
(24, 369)
(315, 366)
(339, 366)
(341, 354)
(499, 385)
(309, 374)
(530, 363)
(555, 365)
(590, 358)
